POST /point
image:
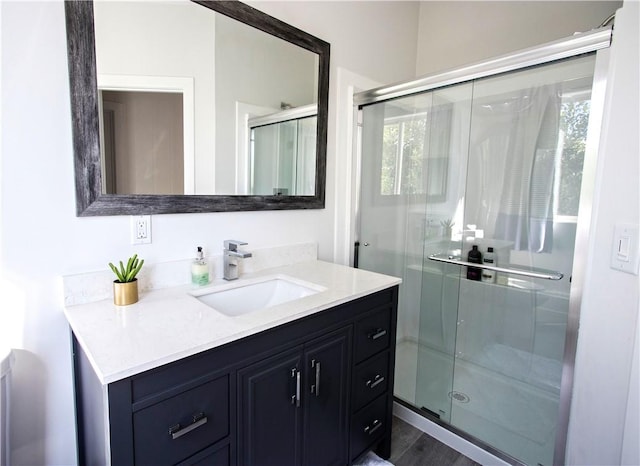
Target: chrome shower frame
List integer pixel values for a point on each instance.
(597, 41)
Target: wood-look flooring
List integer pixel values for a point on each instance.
(412, 447)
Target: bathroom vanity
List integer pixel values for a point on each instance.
(171, 380)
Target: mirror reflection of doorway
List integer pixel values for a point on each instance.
(143, 142)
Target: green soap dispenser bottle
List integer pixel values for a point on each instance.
(200, 269)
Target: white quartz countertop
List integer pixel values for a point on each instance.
(169, 324)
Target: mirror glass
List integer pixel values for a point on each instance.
(196, 107)
(178, 84)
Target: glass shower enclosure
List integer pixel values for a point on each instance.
(282, 152)
(493, 163)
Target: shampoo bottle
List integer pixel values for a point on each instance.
(475, 257)
(200, 270)
(489, 258)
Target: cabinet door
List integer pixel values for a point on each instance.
(269, 409)
(327, 366)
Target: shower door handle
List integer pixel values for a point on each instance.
(356, 253)
(545, 274)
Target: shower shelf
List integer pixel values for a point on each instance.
(532, 273)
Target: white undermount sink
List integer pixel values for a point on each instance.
(245, 296)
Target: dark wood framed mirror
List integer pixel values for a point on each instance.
(95, 198)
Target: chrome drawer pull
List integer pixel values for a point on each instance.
(198, 420)
(380, 332)
(377, 380)
(375, 425)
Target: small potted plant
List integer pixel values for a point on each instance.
(447, 226)
(125, 288)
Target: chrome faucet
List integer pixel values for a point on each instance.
(231, 255)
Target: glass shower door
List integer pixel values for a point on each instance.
(413, 159)
(528, 132)
(493, 163)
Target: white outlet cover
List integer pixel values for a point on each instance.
(625, 254)
(140, 229)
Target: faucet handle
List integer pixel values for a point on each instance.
(232, 244)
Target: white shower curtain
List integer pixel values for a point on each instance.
(518, 133)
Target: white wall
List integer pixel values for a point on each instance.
(375, 39)
(42, 238)
(450, 31)
(604, 396)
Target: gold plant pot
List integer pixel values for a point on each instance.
(125, 293)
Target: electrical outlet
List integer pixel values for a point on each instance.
(141, 229)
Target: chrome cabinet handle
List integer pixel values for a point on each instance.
(295, 398)
(377, 333)
(375, 425)
(377, 380)
(293, 376)
(315, 388)
(178, 431)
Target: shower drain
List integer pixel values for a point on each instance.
(459, 396)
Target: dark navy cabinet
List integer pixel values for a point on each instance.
(293, 407)
(315, 391)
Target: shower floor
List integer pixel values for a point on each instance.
(510, 414)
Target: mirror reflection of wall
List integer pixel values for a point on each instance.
(230, 65)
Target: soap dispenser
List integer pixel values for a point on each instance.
(200, 269)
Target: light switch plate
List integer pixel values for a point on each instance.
(625, 254)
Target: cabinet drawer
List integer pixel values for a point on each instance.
(370, 380)
(178, 427)
(373, 334)
(368, 426)
(218, 456)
